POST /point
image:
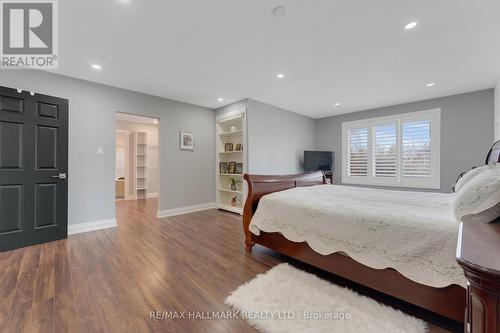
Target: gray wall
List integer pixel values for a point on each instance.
(466, 131)
(276, 137)
(187, 178)
(497, 111)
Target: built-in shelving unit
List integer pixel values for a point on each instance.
(141, 151)
(231, 129)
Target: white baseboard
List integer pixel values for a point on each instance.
(185, 210)
(91, 226)
(134, 197)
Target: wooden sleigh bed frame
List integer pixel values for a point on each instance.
(448, 302)
(478, 252)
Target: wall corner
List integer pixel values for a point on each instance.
(497, 111)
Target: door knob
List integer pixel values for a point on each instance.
(60, 176)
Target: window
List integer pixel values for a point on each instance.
(358, 152)
(416, 149)
(401, 150)
(384, 151)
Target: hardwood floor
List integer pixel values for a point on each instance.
(110, 280)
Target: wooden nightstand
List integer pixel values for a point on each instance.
(329, 177)
(478, 254)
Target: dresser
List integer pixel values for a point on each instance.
(478, 253)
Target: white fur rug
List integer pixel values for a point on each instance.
(289, 300)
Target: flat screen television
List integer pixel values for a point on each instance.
(318, 160)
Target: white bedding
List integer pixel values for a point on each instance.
(412, 232)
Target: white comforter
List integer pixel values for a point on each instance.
(412, 232)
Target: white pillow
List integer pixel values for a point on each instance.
(468, 176)
(479, 198)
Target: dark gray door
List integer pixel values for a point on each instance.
(33, 165)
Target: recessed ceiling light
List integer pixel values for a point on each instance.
(96, 67)
(337, 104)
(220, 99)
(430, 84)
(280, 76)
(411, 25)
(155, 121)
(279, 11)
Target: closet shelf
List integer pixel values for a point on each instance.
(141, 158)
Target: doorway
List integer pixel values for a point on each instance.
(33, 168)
(137, 168)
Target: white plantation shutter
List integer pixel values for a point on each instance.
(358, 151)
(401, 150)
(416, 149)
(384, 151)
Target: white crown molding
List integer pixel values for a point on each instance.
(185, 210)
(79, 228)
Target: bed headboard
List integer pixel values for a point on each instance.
(494, 154)
(260, 185)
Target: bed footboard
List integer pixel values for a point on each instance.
(260, 185)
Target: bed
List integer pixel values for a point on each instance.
(342, 230)
(413, 232)
(448, 301)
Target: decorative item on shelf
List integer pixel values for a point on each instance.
(233, 200)
(239, 146)
(239, 168)
(228, 146)
(233, 128)
(186, 141)
(223, 167)
(234, 183)
(232, 167)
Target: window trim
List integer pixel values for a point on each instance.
(434, 182)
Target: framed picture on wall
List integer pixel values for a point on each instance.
(232, 167)
(223, 167)
(186, 141)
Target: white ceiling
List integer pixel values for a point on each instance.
(351, 51)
